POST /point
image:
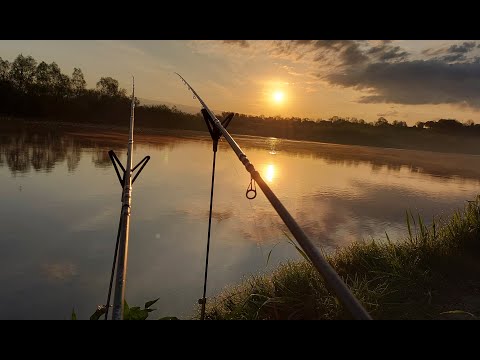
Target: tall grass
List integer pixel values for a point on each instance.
(431, 274)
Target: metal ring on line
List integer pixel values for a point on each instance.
(251, 191)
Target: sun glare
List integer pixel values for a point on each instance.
(270, 172)
(278, 96)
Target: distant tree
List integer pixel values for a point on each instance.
(42, 78)
(469, 123)
(78, 82)
(60, 82)
(420, 124)
(381, 122)
(22, 72)
(429, 124)
(448, 124)
(398, 123)
(337, 120)
(4, 69)
(108, 86)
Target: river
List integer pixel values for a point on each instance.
(61, 202)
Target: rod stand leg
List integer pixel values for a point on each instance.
(215, 133)
(116, 163)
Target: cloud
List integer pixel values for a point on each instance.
(344, 219)
(386, 52)
(389, 113)
(349, 52)
(434, 51)
(331, 55)
(353, 55)
(414, 82)
(241, 43)
(453, 57)
(466, 47)
(458, 49)
(387, 73)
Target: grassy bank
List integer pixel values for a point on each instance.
(434, 273)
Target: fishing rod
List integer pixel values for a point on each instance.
(330, 276)
(121, 247)
(215, 135)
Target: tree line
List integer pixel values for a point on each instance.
(29, 89)
(40, 90)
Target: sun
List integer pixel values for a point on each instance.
(278, 96)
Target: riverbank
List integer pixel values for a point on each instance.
(438, 164)
(433, 273)
(408, 139)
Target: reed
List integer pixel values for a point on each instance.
(433, 273)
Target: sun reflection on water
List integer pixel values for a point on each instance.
(270, 172)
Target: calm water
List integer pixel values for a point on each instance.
(61, 202)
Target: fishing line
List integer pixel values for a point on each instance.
(203, 301)
(107, 306)
(215, 135)
(332, 279)
(254, 214)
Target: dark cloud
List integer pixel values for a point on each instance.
(454, 57)
(241, 43)
(342, 52)
(414, 82)
(466, 47)
(324, 44)
(352, 55)
(463, 48)
(386, 74)
(386, 52)
(349, 52)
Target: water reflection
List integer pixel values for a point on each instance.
(374, 209)
(448, 165)
(61, 202)
(41, 147)
(270, 172)
(273, 142)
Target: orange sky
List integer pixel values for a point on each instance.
(400, 80)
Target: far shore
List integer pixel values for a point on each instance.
(445, 164)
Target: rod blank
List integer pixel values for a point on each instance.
(332, 279)
(121, 278)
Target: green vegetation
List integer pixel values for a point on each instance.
(41, 91)
(433, 274)
(129, 313)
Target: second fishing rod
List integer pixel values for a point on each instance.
(332, 279)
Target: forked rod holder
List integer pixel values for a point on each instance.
(117, 164)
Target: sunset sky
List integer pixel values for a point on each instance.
(409, 80)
